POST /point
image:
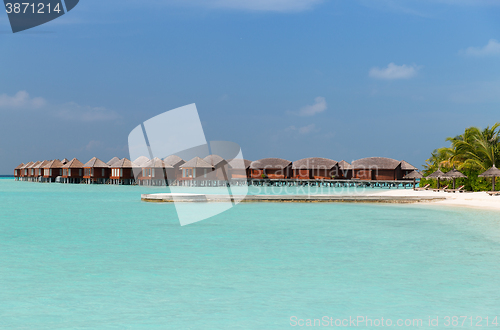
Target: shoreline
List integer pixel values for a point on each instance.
(478, 200)
(215, 198)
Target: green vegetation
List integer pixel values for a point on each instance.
(472, 153)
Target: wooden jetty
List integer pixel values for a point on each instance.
(201, 198)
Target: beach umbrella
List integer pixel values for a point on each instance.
(454, 174)
(414, 175)
(491, 173)
(436, 175)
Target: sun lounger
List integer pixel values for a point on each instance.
(442, 189)
(460, 189)
(426, 187)
(493, 193)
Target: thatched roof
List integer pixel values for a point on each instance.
(196, 162)
(314, 163)
(436, 175)
(156, 163)
(141, 160)
(42, 164)
(113, 160)
(414, 175)
(174, 160)
(96, 162)
(492, 172)
(56, 163)
(453, 174)
(19, 166)
(124, 163)
(74, 163)
(239, 163)
(380, 163)
(214, 160)
(271, 163)
(405, 166)
(34, 164)
(343, 165)
(27, 165)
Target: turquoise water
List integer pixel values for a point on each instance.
(96, 257)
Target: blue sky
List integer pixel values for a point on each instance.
(283, 78)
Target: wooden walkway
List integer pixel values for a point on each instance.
(201, 198)
(235, 182)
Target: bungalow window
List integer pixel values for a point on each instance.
(69, 172)
(152, 172)
(50, 171)
(205, 173)
(92, 171)
(143, 172)
(121, 172)
(80, 172)
(102, 172)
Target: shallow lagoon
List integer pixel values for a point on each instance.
(96, 257)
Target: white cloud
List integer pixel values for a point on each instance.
(21, 100)
(302, 130)
(307, 129)
(265, 5)
(70, 111)
(76, 112)
(492, 48)
(310, 110)
(394, 71)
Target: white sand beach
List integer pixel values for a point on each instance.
(466, 199)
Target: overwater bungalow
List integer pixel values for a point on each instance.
(345, 170)
(33, 170)
(122, 172)
(315, 169)
(96, 171)
(176, 162)
(239, 168)
(52, 170)
(196, 169)
(156, 173)
(39, 170)
(221, 168)
(271, 168)
(72, 171)
(17, 171)
(380, 168)
(25, 171)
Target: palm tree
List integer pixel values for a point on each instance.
(476, 149)
(439, 158)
